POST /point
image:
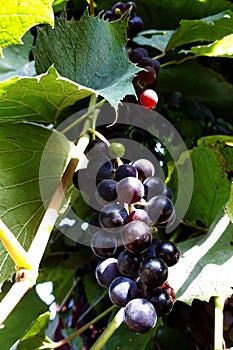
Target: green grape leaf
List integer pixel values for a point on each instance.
(93, 55)
(205, 265)
(157, 39)
(211, 184)
(35, 336)
(21, 207)
(38, 99)
(210, 87)
(30, 306)
(58, 5)
(208, 29)
(168, 13)
(18, 16)
(15, 60)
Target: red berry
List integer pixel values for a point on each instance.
(148, 98)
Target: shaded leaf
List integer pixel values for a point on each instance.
(38, 99)
(16, 60)
(199, 82)
(30, 306)
(16, 17)
(211, 184)
(94, 55)
(204, 269)
(157, 39)
(21, 208)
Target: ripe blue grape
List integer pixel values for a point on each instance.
(168, 252)
(160, 209)
(121, 290)
(161, 301)
(99, 167)
(103, 244)
(106, 189)
(106, 271)
(153, 271)
(154, 186)
(113, 215)
(95, 148)
(125, 170)
(140, 315)
(128, 263)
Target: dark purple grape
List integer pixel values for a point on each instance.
(161, 301)
(146, 61)
(113, 215)
(136, 25)
(167, 192)
(137, 54)
(147, 76)
(118, 9)
(153, 272)
(106, 271)
(108, 15)
(121, 290)
(136, 236)
(156, 65)
(95, 148)
(160, 209)
(154, 186)
(128, 263)
(132, 5)
(150, 251)
(125, 170)
(130, 190)
(103, 244)
(139, 215)
(144, 168)
(78, 175)
(99, 167)
(168, 252)
(140, 315)
(106, 189)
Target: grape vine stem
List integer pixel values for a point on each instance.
(218, 322)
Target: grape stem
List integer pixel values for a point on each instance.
(107, 333)
(195, 227)
(92, 11)
(218, 322)
(99, 135)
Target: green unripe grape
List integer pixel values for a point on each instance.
(116, 149)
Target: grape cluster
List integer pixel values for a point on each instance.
(136, 24)
(145, 82)
(132, 201)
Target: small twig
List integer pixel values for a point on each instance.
(83, 117)
(80, 330)
(99, 135)
(107, 333)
